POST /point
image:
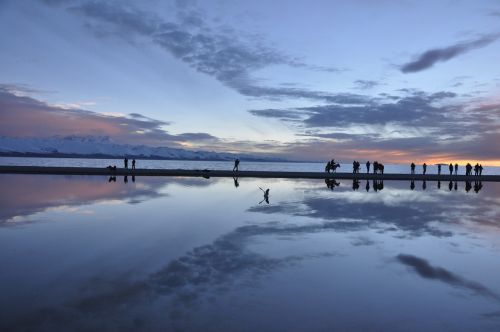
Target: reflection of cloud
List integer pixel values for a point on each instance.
(427, 271)
(226, 262)
(29, 194)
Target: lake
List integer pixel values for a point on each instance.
(191, 254)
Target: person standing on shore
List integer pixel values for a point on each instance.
(368, 167)
(133, 163)
(424, 166)
(412, 166)
(439, 169)
(456, 169)
(451, 169)
(125, 162)
(236, 164)
(480, 169)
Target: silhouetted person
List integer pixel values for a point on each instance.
(236, 183)
(424, 167)
(424, 185)
(439, 184)
(368, 167)
(468, 169)
(236, 164)
(480, 169)
(456, 169)
(451, 169)
(412, 167)
(125, 162)
(375, 166)
(439, 169)
(412, 185)
(367, 187)
(328, 166)
(450, 185)
(133, 163)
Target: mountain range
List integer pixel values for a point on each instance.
(104, 147)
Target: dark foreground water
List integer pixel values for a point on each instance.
(187, 254)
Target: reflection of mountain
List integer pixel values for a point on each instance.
(28, 194)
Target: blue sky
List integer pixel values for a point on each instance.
(392, 80)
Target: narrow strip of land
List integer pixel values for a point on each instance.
(239, 174)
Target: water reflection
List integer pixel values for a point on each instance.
(29, 194)
(332, 250)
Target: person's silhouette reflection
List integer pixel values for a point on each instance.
(355, 184)
(331, 183)
(125, 179)
(133, 178)
(424, 185)
(412, 185)
(266, 195)
(112, 179)
(374, 185)
(455, 186)
(450, 185)
(468, 186)
(478, 185)
(439, 184)
(367, 187)
(236, 183)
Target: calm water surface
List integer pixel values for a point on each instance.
(188, 254)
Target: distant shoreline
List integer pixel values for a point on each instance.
(139, 157)
(240, 174)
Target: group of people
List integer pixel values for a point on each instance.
(125, 162)
(478, 169)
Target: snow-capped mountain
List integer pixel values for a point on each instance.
(81, 146)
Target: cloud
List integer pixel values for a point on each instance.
(429, 58)
(229, 56)
(365, 84)
(427, 271)
(23, 116)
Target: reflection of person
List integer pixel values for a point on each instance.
(367, 187)
(450, 185)
(236, 164)
(424, 185)
(266, 195)
(236, 183)
(439, 184)
(412, 185)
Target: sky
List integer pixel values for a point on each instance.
(394, 81)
